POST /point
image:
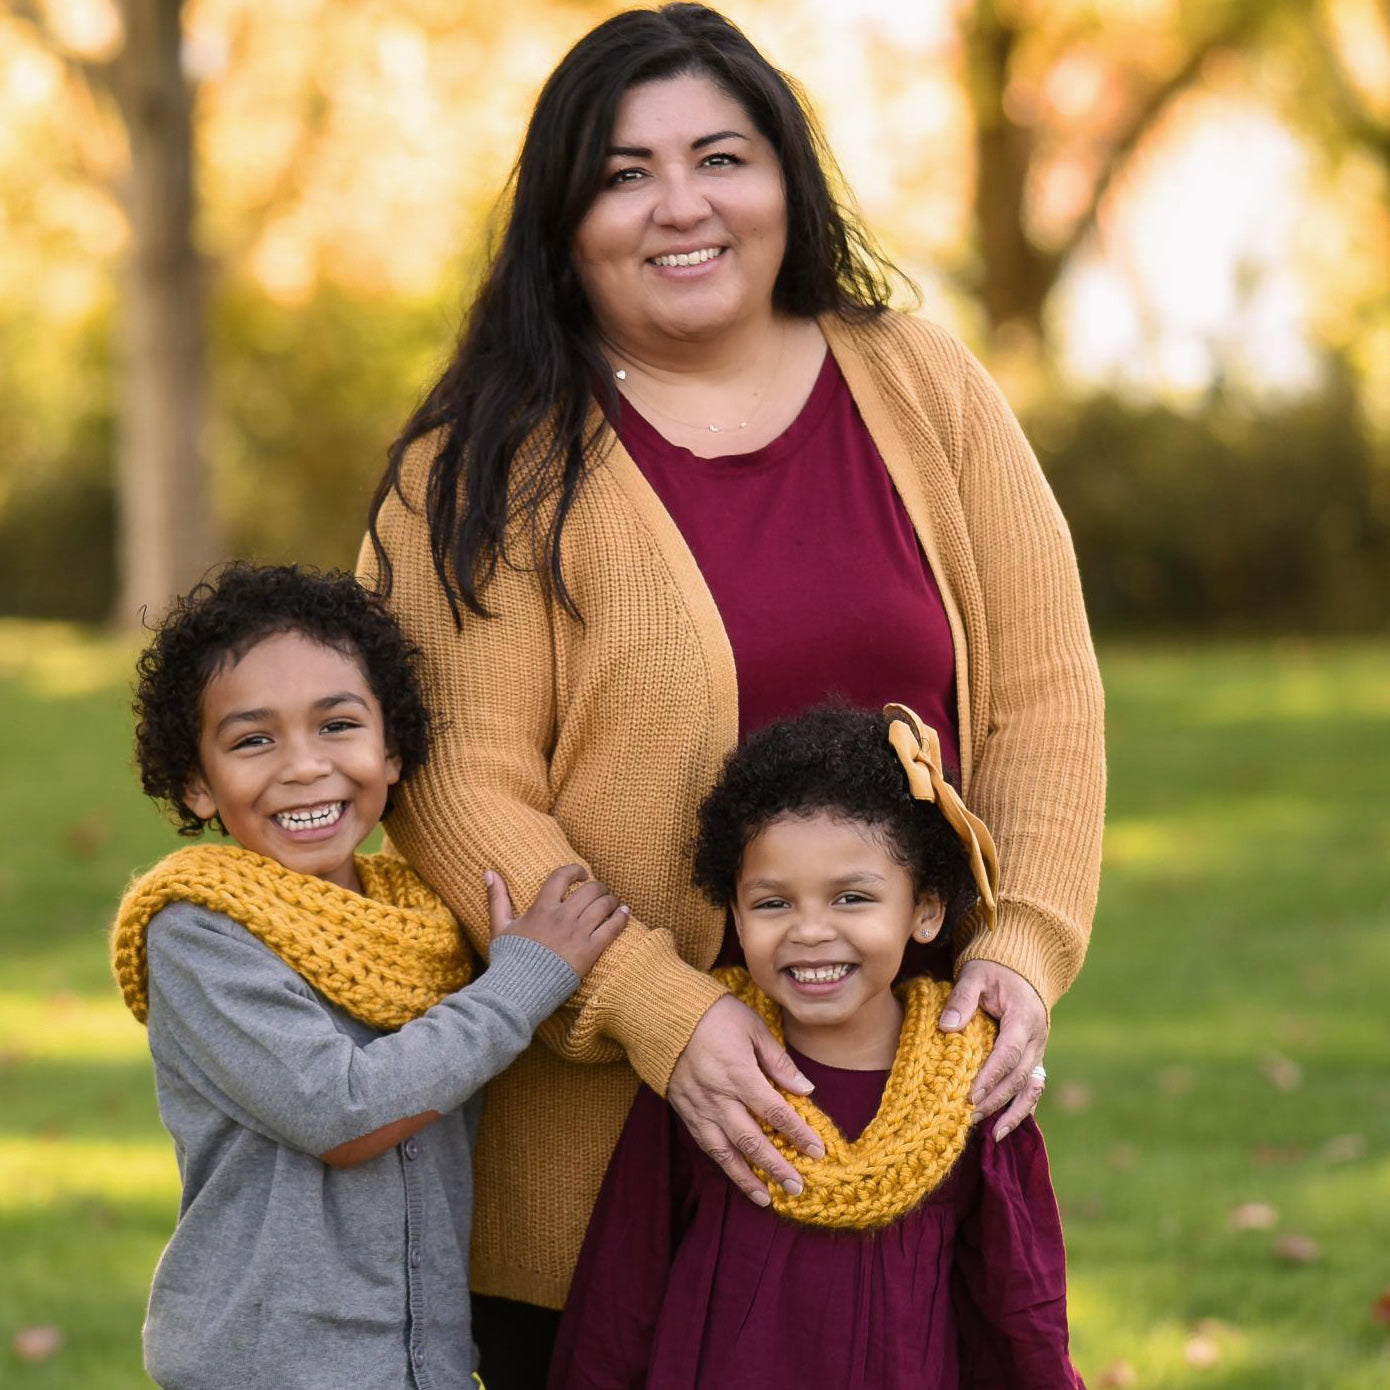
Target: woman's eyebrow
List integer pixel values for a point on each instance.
(716, 137)
(642, 152)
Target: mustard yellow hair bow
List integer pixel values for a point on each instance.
(919, 751)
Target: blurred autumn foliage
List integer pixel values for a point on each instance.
(242, 250)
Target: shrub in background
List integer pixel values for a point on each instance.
(1227, 519)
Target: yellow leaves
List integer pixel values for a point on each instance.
(89, 28)
(1362, 37)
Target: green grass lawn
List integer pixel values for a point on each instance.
(1226, 1046)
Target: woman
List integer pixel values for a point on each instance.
(686, 473)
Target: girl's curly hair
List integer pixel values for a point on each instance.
(221, 619)
(835, 760)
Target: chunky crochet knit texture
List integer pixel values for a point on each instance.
(384, 957)
(913, 1141)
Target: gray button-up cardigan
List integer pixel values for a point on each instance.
(283, 1271)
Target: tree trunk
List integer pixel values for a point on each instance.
(167, 536)
(1015, 275)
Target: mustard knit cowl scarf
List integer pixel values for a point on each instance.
(914, 1140)
(384, 956)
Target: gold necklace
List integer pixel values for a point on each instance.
(621, 374)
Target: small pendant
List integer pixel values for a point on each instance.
(714, 429)
(621, 374)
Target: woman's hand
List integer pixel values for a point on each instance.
(721, 1077)
(1007, 1073)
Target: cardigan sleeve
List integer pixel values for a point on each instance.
(1038, 779)
(483, 800)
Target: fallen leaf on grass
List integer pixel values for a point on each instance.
(1122, 1157)
(37, 1343)
(1201, 1351)
(1297, 1250)
(1297, 1031)
(1253, 1216)
(1073, 1097)
(1213, 1327)
(1282, 1072)
(98, 1214)
(86, 836)
(1380, 1309)
(1175, 1081)
(1278, 1153)
(1345, 1148)
(1119, 1375)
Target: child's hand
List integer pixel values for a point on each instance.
(576, 927)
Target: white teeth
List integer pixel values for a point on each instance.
(689, 257)
(818, 974)
(311, 819)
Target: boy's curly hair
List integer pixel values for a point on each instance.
(221, 619)
(836, 760)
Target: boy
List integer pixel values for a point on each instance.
(318, 1052)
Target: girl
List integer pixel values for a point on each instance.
(919, 1253)
(319, 1052)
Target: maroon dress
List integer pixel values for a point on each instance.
(683, 1284)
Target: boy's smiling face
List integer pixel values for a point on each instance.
(824, 912)
(292, 755)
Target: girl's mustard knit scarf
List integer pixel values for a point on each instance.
(384, 956)
(920, 1130)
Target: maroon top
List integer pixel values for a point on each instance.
(818, 576)
(683, 1284)
(813, 564)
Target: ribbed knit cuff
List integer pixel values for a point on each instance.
(1046, 951)
(528, 975)
(663, 999)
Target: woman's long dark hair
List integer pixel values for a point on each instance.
(511, 410)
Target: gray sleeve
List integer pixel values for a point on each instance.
(224, 1003)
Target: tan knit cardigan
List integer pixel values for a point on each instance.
(563, 741)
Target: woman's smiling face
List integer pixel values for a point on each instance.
(686, 238)
(824, 912)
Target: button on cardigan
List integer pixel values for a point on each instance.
(596, 741)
